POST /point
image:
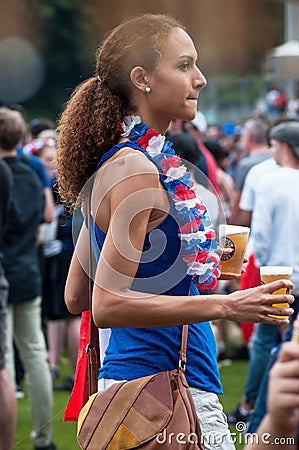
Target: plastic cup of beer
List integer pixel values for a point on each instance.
(273, 273)
(235, 238)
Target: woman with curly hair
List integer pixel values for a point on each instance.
(150, 237)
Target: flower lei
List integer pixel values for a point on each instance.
(198, 243)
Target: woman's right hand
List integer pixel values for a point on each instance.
(255, 304)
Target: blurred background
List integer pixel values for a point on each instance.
(246, 48)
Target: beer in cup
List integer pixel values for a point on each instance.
(273, 273)
(235, 238)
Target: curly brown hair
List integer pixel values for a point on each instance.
(89, 125)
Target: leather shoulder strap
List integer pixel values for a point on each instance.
(183, 351)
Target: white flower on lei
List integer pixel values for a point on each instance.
(200, 235)
(174, 173)
(128, 124)
(181, 204)
(155, 145)
(197, 268)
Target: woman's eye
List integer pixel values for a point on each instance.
(185, 66)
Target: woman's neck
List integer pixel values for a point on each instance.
(160, 125)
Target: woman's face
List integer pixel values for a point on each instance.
(48, 157)
(176, 82)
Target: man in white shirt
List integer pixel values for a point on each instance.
(275, 220)
(275, 224)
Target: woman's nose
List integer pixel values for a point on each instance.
(201, 80)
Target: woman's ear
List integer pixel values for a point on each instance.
(139, 78)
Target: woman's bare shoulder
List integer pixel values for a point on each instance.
(134, 161)
(125, 165)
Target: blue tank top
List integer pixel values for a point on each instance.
(137, 352)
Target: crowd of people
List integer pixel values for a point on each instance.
(158, 265)
(36, 247)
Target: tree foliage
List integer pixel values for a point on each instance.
(59, 27)
(67, 32)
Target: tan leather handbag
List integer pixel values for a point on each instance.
(153, 412)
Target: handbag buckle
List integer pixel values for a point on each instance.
(182, 365)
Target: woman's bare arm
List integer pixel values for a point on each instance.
(76, 288)
(131, 202)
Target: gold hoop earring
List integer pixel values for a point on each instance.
(147, 89)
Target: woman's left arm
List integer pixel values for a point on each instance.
(76, 288)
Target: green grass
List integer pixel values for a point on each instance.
(233, 380)
(64, 434)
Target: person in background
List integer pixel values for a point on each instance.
(275, 224)
(57, 248)
(254, 142)
(293, 105)
(226, 182)
(176, 126)
(197, 127)
(21, 266)
(37, 126)
(43, 148)
(214, 132)
(63, 327)
(276, 103)
(29, 158)
(279, 428)
(231, 145)
(251, 277)
(8, 405)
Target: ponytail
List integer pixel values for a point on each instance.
(87, 128)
